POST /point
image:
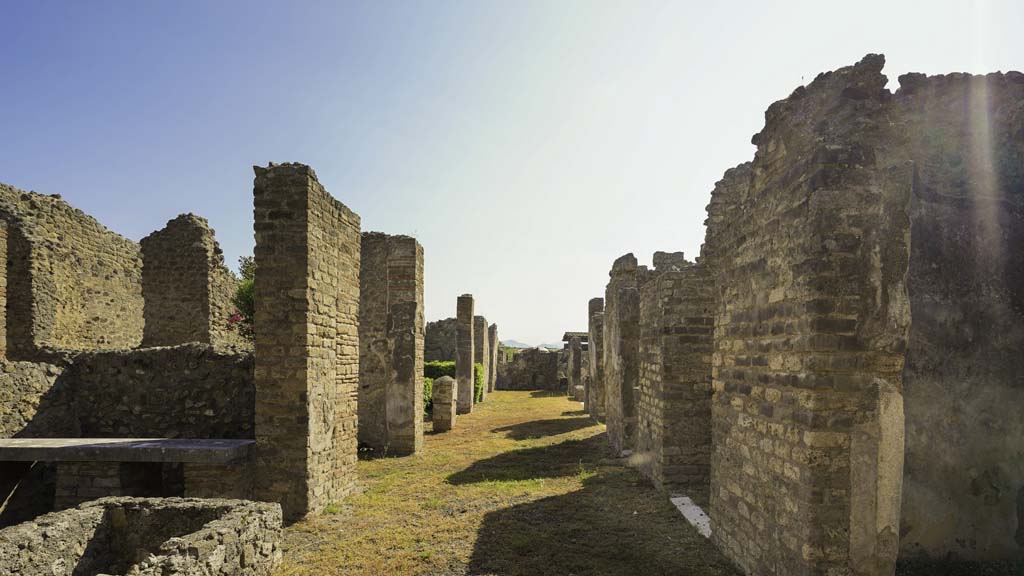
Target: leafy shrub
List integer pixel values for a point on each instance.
(245, 304)
(428, 396)
(438, 369)
(478, 382)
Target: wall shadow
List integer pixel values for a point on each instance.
(541, 428)
(547, 394)
(617, 524)
(554, 461)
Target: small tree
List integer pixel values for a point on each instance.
(242, 319)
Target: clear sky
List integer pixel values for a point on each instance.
(526, 144)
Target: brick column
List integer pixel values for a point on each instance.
(482, 350)
(596, 389)
(622, 348)
(391, 336)
(307, 343)
(464, 353)
(492, 344)
(575, 368)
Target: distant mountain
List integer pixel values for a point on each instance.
(514, 344)
(558, 346)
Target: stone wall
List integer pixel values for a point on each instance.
(187, 287)
(492, 359)
(530, 369)
(391, 343)
(595, 352)
(440, 341)
(464, 354)
(482, 350)
(963, 485)
(72, 284)
(187, 391)
(674, 396)
(809, 247)
(621, 351)
(307, 343)
(147, 537)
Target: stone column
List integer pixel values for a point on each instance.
(464, 353)
(391, 336)
(307, 343)
(575, 368)
(482, 350)
(444, 403)
(622, 349)
(596, 389)
(674, 396)
(492, 344)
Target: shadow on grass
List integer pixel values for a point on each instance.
(575, 413)
(617, 524)
(541, 428)
(559, 460)
(547, 394)
(959, 568)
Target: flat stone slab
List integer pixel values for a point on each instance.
(204, 451)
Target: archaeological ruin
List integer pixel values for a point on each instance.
(834, 383)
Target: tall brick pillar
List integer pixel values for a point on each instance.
(391, 335)
(482, 350)
(621, 353)
(492, 343)
(596, 388)
(307, 343)
(464, 353)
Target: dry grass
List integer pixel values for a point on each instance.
(524, 485)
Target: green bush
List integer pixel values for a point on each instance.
(242, 319)
(438, 369)
(428, 396)
(478, 382)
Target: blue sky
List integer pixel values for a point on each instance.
(526, 144)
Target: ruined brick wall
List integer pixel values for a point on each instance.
(186, 391)
(307, 342)
(440, 341)
(72, 283)
(492, 359)
(621, 351)
(482, 350)
(596, 388)
(674, 396)
(391, 339)
(963, 485)
(187, 287)
(530, 369)
(809, 247)
(147, 537)
(464, 353)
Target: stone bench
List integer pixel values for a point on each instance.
(90, 468)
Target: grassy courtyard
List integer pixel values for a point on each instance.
(524, 485)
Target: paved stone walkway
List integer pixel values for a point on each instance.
(525, 485)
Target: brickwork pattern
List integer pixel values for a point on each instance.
(307, 342)
(391, 340)
(482, 350)
(72, 283)
(186, 286)
(674, 397)
(621, 352)
(464, 353)
(595, 351)
(809, 246)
